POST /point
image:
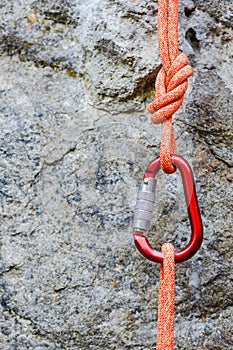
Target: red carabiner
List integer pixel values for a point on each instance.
(144, 208)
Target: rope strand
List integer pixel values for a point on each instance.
(165, 334)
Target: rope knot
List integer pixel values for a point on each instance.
(170, 89)
(170, 86)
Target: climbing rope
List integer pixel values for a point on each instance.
(171, 82)
(170, 86)
(165, 334)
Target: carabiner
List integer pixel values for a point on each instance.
(144, 210)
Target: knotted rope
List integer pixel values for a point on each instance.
(165, 336)
(171, 82)
(170, 86)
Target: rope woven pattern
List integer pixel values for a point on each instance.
(165, 336)
(171, 82)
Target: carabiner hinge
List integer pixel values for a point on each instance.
(144, 205)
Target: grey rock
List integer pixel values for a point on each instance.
(76, 77)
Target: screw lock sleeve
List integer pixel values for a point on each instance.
(144, 205)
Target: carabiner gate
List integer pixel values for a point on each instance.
(144, 211)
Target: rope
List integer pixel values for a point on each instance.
(165, 335)
(171, 82)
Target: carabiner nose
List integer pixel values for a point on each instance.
(144, 211)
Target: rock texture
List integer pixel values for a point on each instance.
(75, 79)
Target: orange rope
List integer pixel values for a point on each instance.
(171, 82)
(170, 86)
(165, 336)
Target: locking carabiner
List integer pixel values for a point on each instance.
(144, 211)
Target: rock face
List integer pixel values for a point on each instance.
(76, 77)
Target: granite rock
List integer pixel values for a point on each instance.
(76, 77)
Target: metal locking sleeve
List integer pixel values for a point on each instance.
(144, 205)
